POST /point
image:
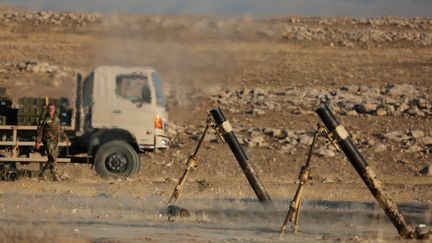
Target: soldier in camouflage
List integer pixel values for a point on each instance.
(49, 132)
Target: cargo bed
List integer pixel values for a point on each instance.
(15, 138)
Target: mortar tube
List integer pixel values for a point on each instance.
(368, 176)
(242, 159)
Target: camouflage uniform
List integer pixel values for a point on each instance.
(49, 132)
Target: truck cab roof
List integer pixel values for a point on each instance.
(120, 69)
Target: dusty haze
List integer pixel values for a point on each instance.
(257, 8)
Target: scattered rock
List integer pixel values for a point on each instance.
(426, 170)
(36, 18)
(351, 100)
(396, 136)
(325, 152)
(401, 90)
(414, 149)
(288, 149)
(380, 148)
(305, 139)
(103, 195)
(381, 112)
(426, 141)
(368, 108)
(421, 103)
(352, 113)
(175, 211)
(203, 185)
(416, 134)
(258, 141)
(403, 107)
(327, 181)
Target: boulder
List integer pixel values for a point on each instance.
(257, 141)
(380, 148)
(396, 136)
(381, 112)
(426, 141)
(325, 152)
(401, 90)
(305, 139)
(416, 133)
(426, 170)
(368, 108)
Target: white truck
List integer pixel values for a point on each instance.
(118, 113)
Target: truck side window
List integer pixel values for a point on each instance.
(133, 87)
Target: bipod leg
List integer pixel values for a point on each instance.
(304, 176)
(294, 225)
(191, 163)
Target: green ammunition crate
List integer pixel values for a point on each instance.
(40, 102)
(25, 111)
(27, 120)
(22, 121)
(23, 101)
(38, 110)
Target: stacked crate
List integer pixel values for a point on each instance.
(31, 109)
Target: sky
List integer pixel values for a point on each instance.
(256, 8)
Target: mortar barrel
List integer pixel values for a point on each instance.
(368, 176)
(240, 155)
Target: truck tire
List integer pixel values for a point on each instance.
(116, 159)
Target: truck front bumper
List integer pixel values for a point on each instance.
(162, 142)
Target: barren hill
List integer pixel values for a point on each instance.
(267, 74)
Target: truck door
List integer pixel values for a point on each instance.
(132, 106)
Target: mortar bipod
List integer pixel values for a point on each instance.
(192, 162)
(216, 120)
(304, 176)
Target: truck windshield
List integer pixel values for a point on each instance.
(157, 83)
(133, 87)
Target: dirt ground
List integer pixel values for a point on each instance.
(196, 63)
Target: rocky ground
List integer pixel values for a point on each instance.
(268, 76)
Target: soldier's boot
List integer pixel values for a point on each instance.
(55, 176)
(42, 172)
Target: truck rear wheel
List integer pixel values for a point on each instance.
(116, 159)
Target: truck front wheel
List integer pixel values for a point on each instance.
(116, 159)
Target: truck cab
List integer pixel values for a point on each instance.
(120, 112)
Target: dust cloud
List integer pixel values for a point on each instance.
(129, 41)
